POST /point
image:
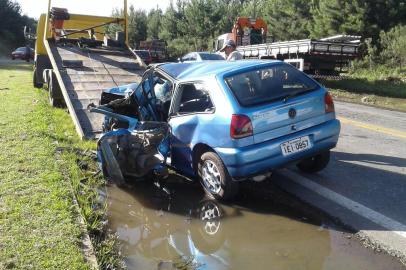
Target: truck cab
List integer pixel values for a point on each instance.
(246, 31)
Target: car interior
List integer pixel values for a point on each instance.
(194, 100)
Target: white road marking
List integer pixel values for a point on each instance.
(378, 218)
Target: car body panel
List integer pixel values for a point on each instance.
(266, 156)
(252, 155)
(21, 53)
(145, 56)
(201, 56)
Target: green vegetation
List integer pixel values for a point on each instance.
(380, 85)
(397, 104)
(42, 161)
(12, 26)
(387, 87)
(189, 25)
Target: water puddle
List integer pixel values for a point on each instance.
(189, 231)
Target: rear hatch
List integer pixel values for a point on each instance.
(279, 100)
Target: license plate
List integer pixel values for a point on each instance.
(295, 146)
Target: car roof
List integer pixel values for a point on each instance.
(204, 52)
(195, 70)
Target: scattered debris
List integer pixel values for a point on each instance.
(23, 136)
(368, 100)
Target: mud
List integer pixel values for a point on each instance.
(263, 228)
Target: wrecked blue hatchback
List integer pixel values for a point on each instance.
(222, 122)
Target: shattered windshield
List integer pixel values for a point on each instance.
(154, 96)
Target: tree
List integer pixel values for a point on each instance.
(137, 26)
(154, 23)
(200, 23)
(287, 19)
(12, 24)
(384, 15)
(169, 26)
(393, 45)
(331, 17)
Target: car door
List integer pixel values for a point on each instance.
(191, 106)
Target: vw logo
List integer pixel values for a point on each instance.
(292, 113)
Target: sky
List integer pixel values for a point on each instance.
(34, 8)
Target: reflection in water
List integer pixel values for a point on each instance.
(161, 232)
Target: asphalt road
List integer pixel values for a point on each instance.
(364, 186)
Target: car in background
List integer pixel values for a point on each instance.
(21, 53)
(145, 56)
(228, 122)
(200, 56)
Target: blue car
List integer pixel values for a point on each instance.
(221, 122)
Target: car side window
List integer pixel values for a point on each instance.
(193, 98)
(186, 57)
(193, 57)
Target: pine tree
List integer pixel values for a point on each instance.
(169, 26)
(154, 23)
(288, 19)
(137, 26)
(331, 17)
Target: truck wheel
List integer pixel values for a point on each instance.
(214, 177)
(35, 81)
(314, 164)
(55, 94)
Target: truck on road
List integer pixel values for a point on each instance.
(325, 56)
(76, 59)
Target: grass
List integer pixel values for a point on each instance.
(39, 226)
(376, 87)
(397, 104)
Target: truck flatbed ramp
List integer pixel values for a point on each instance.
(82, 84)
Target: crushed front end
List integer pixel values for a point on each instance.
(135, 143)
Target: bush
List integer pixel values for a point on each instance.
(393, 45)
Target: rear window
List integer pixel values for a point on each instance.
(268, 84)
(211, 56)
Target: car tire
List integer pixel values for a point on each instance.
(13, 58)
(35, 81)
(314, 164)
(214, 177)
(208, 235)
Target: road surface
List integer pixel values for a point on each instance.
(364, 186)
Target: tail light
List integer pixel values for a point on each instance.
(241, 126)
(328, 103)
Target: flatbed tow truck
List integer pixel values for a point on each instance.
(320, 58)
(77, 60)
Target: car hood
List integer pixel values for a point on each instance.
(122, 90)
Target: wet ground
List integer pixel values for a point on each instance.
(263, 228)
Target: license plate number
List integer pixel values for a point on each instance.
(295, 146)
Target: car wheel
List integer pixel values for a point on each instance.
(208, 234)
(35, 81)
(315, 163)
(214, 177)
(13, 58)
